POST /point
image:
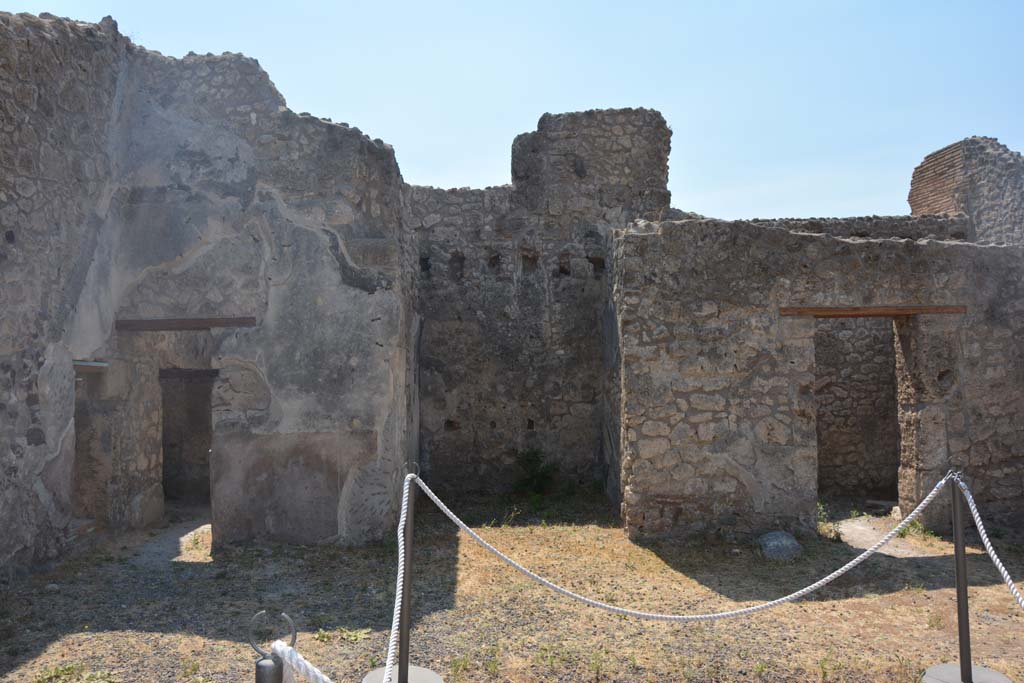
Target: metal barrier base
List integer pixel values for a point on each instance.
(950, 673)
(417, 674)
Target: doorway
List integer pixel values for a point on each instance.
(857, 411)
(187, 435)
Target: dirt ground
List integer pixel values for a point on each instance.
(156, 606)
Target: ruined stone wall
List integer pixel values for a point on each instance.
(936, 183)
(977, 176)
(995, 190)
(855, 381)
(717, 404)
(511, 287)
(257, 207)
(54, 162)
(153, 187)
(955, 228)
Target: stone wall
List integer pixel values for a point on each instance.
(977, 176)
(718, 408)
(150, 187)
(512, 287)
(54, 156)
(855, 382)
(456, 327)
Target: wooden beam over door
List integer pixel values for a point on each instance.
(177, 324)
(190, 374)
(869, 311)
(90, 366)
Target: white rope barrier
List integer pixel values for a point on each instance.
(988, 544)
(298, 663)
(389, 665)
(685, 617)
(294, 660)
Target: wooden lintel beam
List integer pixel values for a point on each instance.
(176, 324)
(869, 311)
(190, 374)
(90, 366)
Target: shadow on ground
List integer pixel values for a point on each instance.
(916, 562)
(166, 581)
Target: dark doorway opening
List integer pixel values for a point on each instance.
(857, 409)
(91, 473)
(187, 434)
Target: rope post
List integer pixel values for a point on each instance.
(269, 670)
(966, 672)
(405, 620)
(269, 667)
(406, 673)
(963, 617)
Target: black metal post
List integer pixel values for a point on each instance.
(406, 672)
(269, 670)
(962, 615)
(405, 617)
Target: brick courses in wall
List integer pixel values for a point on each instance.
(979, 177)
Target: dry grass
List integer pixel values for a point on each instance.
(140, 612)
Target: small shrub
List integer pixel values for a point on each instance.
(596, 664)
(492, 665)
(349, 635)
(459, 666)
(916, 528)
(73, 673)
(65, 673)
(536, 475)
(827, 528)
(353, 635)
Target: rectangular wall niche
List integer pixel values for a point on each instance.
(857, 414)
(187, 434)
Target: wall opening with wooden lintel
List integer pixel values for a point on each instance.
(856, 392)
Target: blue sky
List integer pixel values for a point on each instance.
(777, 108)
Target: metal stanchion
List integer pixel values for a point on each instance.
(269, 667)
(965, 671)
(405, 672)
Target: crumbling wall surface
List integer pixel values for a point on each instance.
(856, 412)
(151, 187)
(718, 408)
(978, 176)
(226, 203)
(604, 166)
(511, 287)
(58, 84)
(995, 190)
(953, 227)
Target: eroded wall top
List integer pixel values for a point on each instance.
(977, 176)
